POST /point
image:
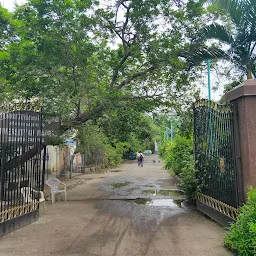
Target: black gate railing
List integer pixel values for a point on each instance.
(215, 161)
(21, 165)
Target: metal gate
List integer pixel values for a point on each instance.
(219, 180)
(21, 166)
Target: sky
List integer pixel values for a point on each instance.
(216, 95)
(10, 4)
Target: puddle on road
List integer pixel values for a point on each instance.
(170, 203)
(164, 192)
(143, 201)
(116, 171)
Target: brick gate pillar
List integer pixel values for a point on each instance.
(244, 99)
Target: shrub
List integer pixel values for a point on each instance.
(187, 178)
(176, 153)
(242, 234)
(91, 143)
(167, 154)
(112, 156)
(178, 156)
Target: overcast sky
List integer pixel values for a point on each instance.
(9, 4)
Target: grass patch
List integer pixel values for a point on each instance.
(164, 192)
(149, 191)
(121, 184)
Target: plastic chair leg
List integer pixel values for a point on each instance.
(53, 198)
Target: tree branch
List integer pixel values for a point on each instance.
(138, 74)
(115, 74)
(126, 45)
(84, 117)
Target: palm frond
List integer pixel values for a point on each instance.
(242, 12)
(216, 31)
(234, 8)
(205, 53)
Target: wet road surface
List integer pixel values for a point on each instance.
(129, 211)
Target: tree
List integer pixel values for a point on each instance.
(84, 58)
(240, 35)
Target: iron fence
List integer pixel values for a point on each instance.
(214, 155)
(21, 165)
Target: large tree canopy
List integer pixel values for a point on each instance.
(83, 57)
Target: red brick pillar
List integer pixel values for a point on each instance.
(244, 99)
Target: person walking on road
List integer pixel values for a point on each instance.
(140, 159)
(138, 156)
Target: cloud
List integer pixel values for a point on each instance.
(10, 4)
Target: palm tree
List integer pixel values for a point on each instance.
(241, 37)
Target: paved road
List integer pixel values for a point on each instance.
(104, 218)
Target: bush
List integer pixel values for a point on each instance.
(187, 178)
(242, 234)
(166, 153)
(178, 156)
(91, 143)
(177, 153)
(112, 157)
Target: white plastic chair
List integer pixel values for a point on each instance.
(53, 183)
(29, 195)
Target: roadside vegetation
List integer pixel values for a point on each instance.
(241, 237)
(109, 141)
(179, 158)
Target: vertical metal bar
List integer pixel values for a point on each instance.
(43, 173)
(17, 128)
(209, 78)
(22, 151)
(39, 145)
(11, 179)
(47, 163)
(5, 149)
(1, 161)
(44, 152)
(237, 157)
(214, 152)
(7, 177)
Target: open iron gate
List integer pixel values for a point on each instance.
(21, 166)
(216, 162)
